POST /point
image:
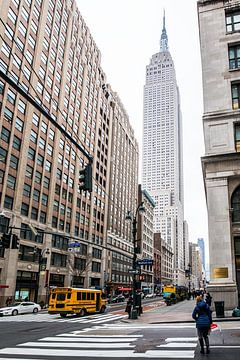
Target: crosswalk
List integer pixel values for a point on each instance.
(97, 343)
(44, 317)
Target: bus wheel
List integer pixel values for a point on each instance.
(103, 308)
(82, 312)
(63, 315)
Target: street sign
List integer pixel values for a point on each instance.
(131, 271)
(75, 244)
(145, 262)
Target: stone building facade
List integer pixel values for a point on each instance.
(219, 41)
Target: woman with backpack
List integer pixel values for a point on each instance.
(203, 317)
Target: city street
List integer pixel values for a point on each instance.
(113, 335)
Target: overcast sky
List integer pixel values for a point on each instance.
(127, 33)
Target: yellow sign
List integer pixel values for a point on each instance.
(220, 273)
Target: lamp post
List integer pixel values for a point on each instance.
(133, 219)
(189, 280)
(42, 262)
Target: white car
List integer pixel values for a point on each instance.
(151, 295)
(20, 308)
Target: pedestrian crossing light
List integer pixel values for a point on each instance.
(85, 178)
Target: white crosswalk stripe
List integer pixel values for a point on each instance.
(97, 318)
(81, 345)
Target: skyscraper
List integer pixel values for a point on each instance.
(162, 172)
(202, 251)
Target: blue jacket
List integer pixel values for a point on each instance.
(202, 314)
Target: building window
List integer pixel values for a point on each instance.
(1, 176)
(96, 267)
(27, 190)
(237, 137)
(19, 125)
(11, 182)
(58, 260)
(16, 143)
(13, 162)
(40, 160)
(8, 202)
(54, 221)
(34, 213)
(236, 96)
(46, 182)
(235, 205)
(43, 217)
(80, 264)
(11, 96)
(36, 195)
(31, 153)
(24, 209)
(233, 21)
(234, 56)
(44, 199)
(5, 135)
(3, 155)
(59, 242)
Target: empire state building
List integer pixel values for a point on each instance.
(162, 171)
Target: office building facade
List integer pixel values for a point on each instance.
(48, 51)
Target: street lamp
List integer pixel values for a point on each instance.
(42, 263)
(133, 219)
(189, 280)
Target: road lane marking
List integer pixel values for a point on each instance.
(180, 339)
(178, 345)
(88, 339)
(159, 354)
(72, 353)
(78, 333)
(78, 345)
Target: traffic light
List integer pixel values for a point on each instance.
(15, 242)
(142, 277)
(85, 178)
(5, 241)
(43, 264)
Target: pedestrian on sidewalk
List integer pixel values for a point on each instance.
(203, 317)
(208, 299)
(129, 306)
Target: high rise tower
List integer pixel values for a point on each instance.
(162, 173)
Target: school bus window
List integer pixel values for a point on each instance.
(92, 296)
(53, 296)
(69, 296)
(83, 296)
(88, 296)
(61, 297)
(78, 296)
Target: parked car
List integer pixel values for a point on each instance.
(23, 307)
(149, 296)
(118, 298)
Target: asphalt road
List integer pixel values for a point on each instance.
(111, 336)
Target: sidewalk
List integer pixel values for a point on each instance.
(157, 312)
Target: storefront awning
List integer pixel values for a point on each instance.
(124, 289)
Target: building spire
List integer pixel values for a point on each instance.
(164, 38)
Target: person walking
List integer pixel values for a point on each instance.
(129, 306)
(203, 317)
(208, 299)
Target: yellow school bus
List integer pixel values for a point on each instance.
(66, 300)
